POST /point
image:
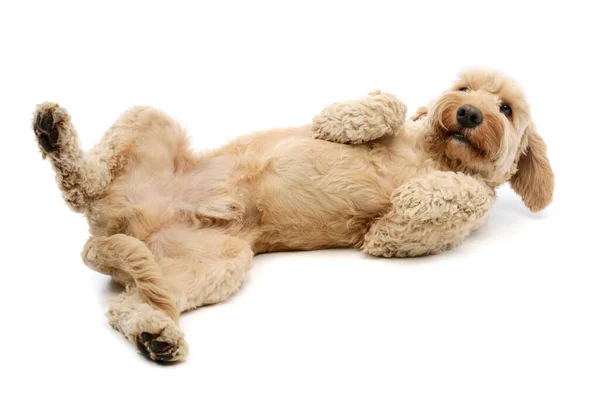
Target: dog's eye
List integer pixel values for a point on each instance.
(506, 110)
(464, 89)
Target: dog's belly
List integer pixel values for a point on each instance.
(316, 194)
(280, 190)
(144, 200)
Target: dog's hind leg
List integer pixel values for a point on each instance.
(192, 267)
(143, 134)
(204, 266)
(153, 332)
(81, 177)
(147, 313)
(130, 262)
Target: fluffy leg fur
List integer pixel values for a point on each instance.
(154, 333)
(359, 121)
(192, 268)
(80, 177)
(201, 266)
(84, 177)
(429, 214)
(130, 261)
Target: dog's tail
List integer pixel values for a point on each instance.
(118, 254)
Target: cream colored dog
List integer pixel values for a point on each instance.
(179, 229)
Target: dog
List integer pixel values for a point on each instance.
(179, 229)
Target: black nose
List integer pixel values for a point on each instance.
(469, 116)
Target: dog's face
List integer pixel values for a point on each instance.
(482, 126)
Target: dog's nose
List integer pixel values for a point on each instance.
(469, 116)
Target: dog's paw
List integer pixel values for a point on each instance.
(162, 347)
(47, 122)
(360, 121)
(442, 196)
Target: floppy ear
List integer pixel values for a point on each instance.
(420, 113)
(534, 179)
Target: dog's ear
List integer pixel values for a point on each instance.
(420, 113)
(534, 179)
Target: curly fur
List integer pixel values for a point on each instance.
(429, 214)
(179, 229)
(379, 114)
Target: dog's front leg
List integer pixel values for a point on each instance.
(431, 213)
(360, 121)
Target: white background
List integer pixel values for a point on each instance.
(512, 314)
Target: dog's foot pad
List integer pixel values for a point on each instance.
(46, 130)
(154, 349)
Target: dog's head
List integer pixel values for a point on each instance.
(482, 126)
